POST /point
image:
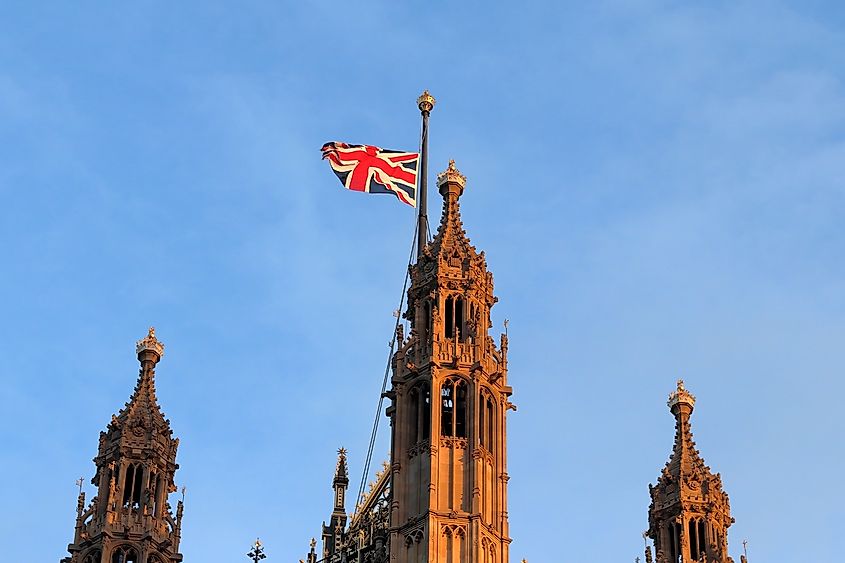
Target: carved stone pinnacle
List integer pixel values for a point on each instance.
(681, 396)
(451, 175)
(150, 342)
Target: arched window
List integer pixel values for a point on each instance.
(449, 326)
(124, 554)
(485, 421)
(461, 410)
(127, 484)
(425, 411)
(133, 486)
(447, 408)
(459, 318)
(155, 488)
(419, 413)
(485, 426)
(425, 329)
(93, 557)
(675, 531)
(453, 408)
(414, 415)
(693, 540)
(697, 545)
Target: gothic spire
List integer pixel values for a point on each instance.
(143, 410)
(335, 530)
(689, 514)
(450, 399)
(341, 475)
(136, 465)
(450, 234)
(685, 459)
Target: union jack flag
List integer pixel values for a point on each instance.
(364, 168)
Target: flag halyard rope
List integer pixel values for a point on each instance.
(369, 458)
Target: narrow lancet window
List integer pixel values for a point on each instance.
(461, 410)
(447, 409)
(414, 415)
(124, 555)
(425, 329)
(127, 484)
(482, 434)
(489, 432)
(425, 411)
(459, 319)
(137, 486)
(450, 318)
(453, 411)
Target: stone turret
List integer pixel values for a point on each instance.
(335, 530)
(130, 519)
(689, 514)
(450, 398)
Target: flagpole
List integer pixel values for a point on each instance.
(426, 103)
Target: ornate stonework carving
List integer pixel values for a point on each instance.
(451, 175)
(136, 465)
(681, 395)
(150, 342)
(689, 513)
(449, 398)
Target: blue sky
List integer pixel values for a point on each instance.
(658, 186)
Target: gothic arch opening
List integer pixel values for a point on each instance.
(676, 529)
(124, 554)
(414, 415)
(449, 318)
(485, 421)
(472, 322)
(419, 413)
(697, 545)
(459, 319)
(93, 557)
(453, 408)
(127, 484)
(133, 485)
(425, 329)
(425, 411)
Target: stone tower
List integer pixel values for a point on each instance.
(130, 519)
(448, 456)
(689, 515)
(333, 533)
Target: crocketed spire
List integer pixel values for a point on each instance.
(143, 411)
(689, 514)
(341, 475)
(450, 398)
(451, 237)
(685, 459)
(136, 466)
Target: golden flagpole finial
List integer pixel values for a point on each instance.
(426, 102)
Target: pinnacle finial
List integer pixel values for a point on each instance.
(426, 102)
(340, 471)
(150, 343)
(451, 176)
(681, 396)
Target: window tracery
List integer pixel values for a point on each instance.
(124, 554)
(453, 408)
